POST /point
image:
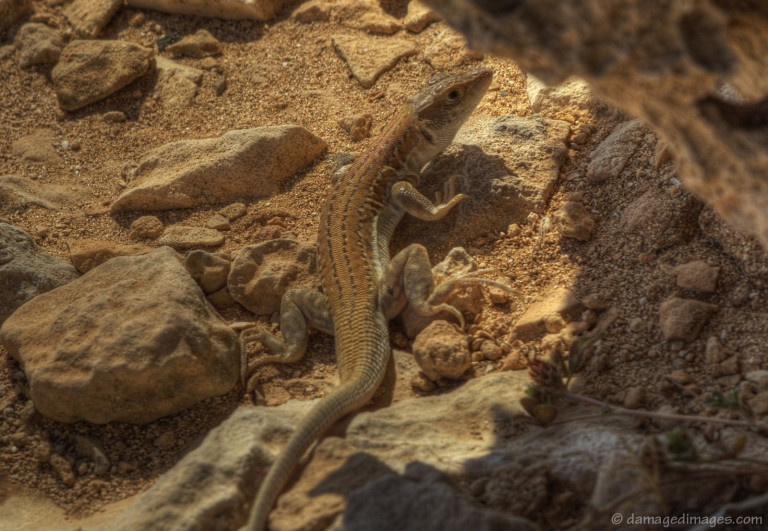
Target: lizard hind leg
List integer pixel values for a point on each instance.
(299, 309)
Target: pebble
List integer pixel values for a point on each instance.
(165, 441)
(218, 222)
(146, 228)
(441, 351)
(114, 117)
(200, 44)
(182, 237)
(233, 211)
(697, 275)
(714, 351)
(634, 398)
(573, 220)
(683, 319)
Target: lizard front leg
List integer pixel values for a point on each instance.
(299, 309)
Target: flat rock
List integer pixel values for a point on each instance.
(449, 50)
(369, 57)
(242, 163)
(683, 319)
(508, 166)
(233, 211)
(697, 275)
(87, 254)
(573, 220)
(198, 45)
(261, 273)
(38, 44)
(25, 271)
(363, 15)
(78, 344)
(89, 17)
(419, 17)
(12, 10)
(557, 303)
(36, 147)
(662, 219)
(610, 158)
(177, 83)
(22, 192)
(564, 100)
(89, 71)
(227, 9)
(181, 237)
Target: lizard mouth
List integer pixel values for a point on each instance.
(427, 134)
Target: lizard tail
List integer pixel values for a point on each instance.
(342, 400)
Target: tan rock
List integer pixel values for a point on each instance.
(89, 71)
(442, 351)
(181, 237)
(208, 269)
(36, 147)
(662, 219)
(419, 17)
(21, 192)
(38, 44)
(358, 126)
(87, 254)
(684, 318)
(146, 228)
(612, 155)
(555, 303)
(198, 45)
(573, 220)
(77, 344)
(233, 211)
(177, 84)
(218, 222)
(449, 50)
(698, 276)
(261, 10)
(261, 273)
(369, 57)
(242, 163)
(89, 17)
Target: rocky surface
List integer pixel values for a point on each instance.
(181, 237)
(26, 271)
(89, 17)
(78, 344)
(68, 168)
(208, 269)
(38, 44)
(227, 9)
(87, 254)
(244, 163)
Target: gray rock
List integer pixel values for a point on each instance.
(208, 269)
(26, 272)
(182, 238)
(697, 275)
(442, 351)
(573, 220)
(89, 71)
(242, 163)
(227, 9)
(38, 44)
(132, 341)
(662, 219)
(89, 17)
(261, 273)
(684, 318)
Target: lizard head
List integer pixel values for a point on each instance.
(445, 104)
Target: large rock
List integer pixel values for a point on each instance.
(671, 80)
(89, 71)
(508, 166)
(26, 272)
(132, 340)
(242, 163)
(89, 17)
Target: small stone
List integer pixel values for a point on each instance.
(636, 324)
(419, 17)
(233, 211)
(759, 404)
(137, 20)
(313, 11)
(222, 299)
(759, 377)
(209, 63)
(63, 469)
(38, 44)
(218, 222)
(182, 238)
(114, 117)
(86, 254)
(572, 220)
(612, 155)
(684, 318)
(146, 228)
(681, 377)
(714, 351)
(556, 302)
(358, 126)
(369, 57)
(490, 350)
(165, 441)
(697, 275)
(89, 17)
(634, 397)
(199, 45)
(441, 351)
(125, 468)
(729, 366)
(420, 382)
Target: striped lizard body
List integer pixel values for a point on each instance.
(363, 288)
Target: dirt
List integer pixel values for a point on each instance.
(287, 72)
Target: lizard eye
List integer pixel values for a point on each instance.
(454, 95)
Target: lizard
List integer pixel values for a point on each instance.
(362, 288)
